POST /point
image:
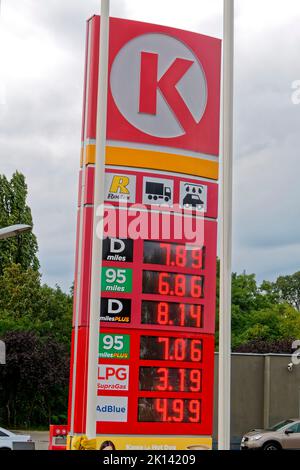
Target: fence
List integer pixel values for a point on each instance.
(265, 389)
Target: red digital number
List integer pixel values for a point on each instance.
(192, 378)
(182, 314)
(195, 380)
(178, 410)
(163, 378)
(180, 349)
(197, 257)
(196, 350)
(163, 283)
(163, 313)
(194, 411)
(196, 287)
(166, 343)
(161, 406)
(167, 247)
(196, 314)
(180, 285)
(181, 380)
(180, 256)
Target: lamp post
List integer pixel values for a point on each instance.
(14, 230)
(226, 230)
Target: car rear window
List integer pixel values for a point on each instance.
(2, 434)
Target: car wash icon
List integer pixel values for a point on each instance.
(158, 191)
(193, 196)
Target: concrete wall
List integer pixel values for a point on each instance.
(263, 392)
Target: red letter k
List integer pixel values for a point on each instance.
(149, 84)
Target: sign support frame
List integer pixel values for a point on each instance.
(98, 226)
(224, 407)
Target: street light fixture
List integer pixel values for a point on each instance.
(14, 230)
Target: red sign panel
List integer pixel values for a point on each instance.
(156, 339)
(169, 91)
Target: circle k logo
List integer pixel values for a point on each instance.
(164, 89)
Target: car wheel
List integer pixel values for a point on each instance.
(271, 446)
(5, 448)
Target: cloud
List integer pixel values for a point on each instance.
(41, 85)
(267, 162)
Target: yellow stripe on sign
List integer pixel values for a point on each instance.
(90, 155)
(138, 158)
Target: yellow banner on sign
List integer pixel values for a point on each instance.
(152, 160)
(150, 443)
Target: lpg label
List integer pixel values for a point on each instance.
(112, 377)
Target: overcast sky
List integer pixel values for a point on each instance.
(41, 82)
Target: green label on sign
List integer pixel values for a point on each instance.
(114, 346)
(116, 280)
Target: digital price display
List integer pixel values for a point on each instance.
(170, 379)
(172, 284)
(169, 410)
(172, 314)
(174, 255)
(159, 348)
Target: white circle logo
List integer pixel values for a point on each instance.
(159, 86)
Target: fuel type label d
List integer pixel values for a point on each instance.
(116, 310)
(119, 250)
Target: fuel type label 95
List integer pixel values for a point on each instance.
(116, 280)
(114, 346)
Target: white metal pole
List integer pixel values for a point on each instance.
(226, 231)
(98, 222)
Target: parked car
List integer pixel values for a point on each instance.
(8, 438)
(282, 436)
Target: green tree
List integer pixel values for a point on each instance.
(275, 323)
(34, 381)
(26, 305)
(14, 210)
(288, 289)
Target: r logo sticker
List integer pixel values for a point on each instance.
(120, 187)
